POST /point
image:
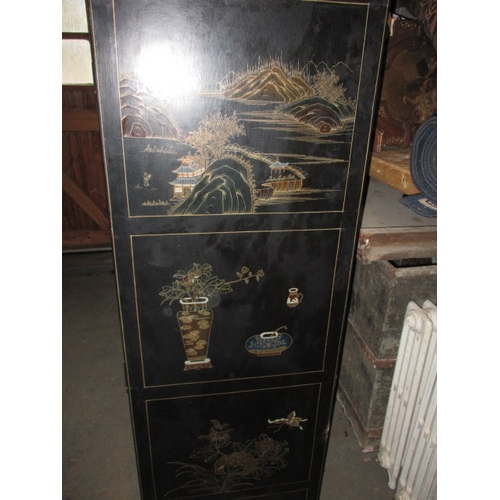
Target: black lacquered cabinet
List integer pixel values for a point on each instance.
(236, 135)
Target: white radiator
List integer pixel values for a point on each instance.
(408, 448)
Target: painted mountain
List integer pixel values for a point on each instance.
(320, 114)
(223, 188)
(270, 85)
(141, 113)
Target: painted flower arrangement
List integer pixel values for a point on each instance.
(199, 282)
(229, 465)
(193, 289)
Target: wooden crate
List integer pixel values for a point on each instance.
(392, 167)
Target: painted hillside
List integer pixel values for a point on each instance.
(270, 85)
(142, 114)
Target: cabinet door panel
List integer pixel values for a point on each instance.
(249, 440)
(272, 330)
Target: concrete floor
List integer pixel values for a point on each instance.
(97, 445)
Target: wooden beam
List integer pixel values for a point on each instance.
(79, 119)
(397, 243)
(73, 240)
(89, 87)
(75, 36)
(84, 201)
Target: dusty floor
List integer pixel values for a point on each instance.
(98, 451)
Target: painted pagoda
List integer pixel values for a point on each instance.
(188, 175)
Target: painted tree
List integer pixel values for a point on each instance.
(328, 86)
(212, 136)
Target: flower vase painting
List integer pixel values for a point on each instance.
(193, 289)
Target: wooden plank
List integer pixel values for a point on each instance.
(75, 36)
(392, 167)
(72, 240)
(84, 201)
(88, 166)
(71, 211)
(74, 171)
(78, 88)
(101, 174)
(66, 213)
(67, 100)
(396, 243)
(70, 221)
(79, 119)
(90, 100)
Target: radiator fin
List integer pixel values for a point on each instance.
(408, 448)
